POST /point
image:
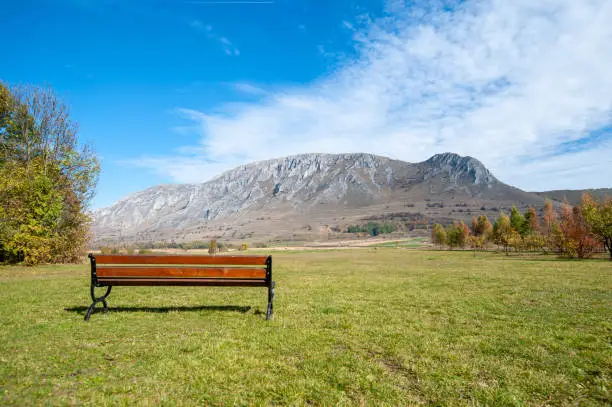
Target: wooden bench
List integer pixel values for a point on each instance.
(148, 270)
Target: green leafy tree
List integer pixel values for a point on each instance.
(598, 215)
(46, 179)
(372, 228)
(457, 234)
(532, 221)
(452, 237)
(517, 221)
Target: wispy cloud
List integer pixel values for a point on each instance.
(248, 89)
(348, 25)
(200, 26)
(508, 82)
(227, 46)
(322, 51)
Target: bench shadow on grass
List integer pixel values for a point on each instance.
(164, 310)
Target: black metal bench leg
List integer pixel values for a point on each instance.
(270, 301)
(96, 300)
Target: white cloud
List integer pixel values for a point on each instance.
(508, 82)
(348, 25)
(248, 89)
(197, 25)
(229, 48)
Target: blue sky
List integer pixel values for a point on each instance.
(178, 91)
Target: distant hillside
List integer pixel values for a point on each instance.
(310, 196)
(574, 196)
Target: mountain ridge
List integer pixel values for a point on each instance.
(307, 196)
(437, 158)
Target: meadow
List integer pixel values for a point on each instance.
(368, 326)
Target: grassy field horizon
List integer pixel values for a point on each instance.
(371, 326)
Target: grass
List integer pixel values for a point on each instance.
(413, 243)
(361, 326)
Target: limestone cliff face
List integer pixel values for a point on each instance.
(297, 184)
(461, 170)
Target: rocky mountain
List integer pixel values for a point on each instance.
(309, 196)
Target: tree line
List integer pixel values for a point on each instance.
(372, 228)
(575, 231)
(47, 179)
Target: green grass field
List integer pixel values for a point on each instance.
(385, 326)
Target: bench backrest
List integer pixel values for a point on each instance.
(181, 270)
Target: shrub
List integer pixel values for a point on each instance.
(244, 247)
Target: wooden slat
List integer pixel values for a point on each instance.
(182, 281)
(180, 272)
(167, 259)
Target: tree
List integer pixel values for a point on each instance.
(576, 240)
(532, 221)
(481, 226)
(463, 233)
(502, 231)
(556, 238)
(451, 236)
(515, 241)
(598, 216)
(46, 179)
(476, 242)
(438, 235)
(456, 234)
(517, 221)
(534, 241)
(213, 248)
(549, 217)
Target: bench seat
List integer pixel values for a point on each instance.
(179, 270)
